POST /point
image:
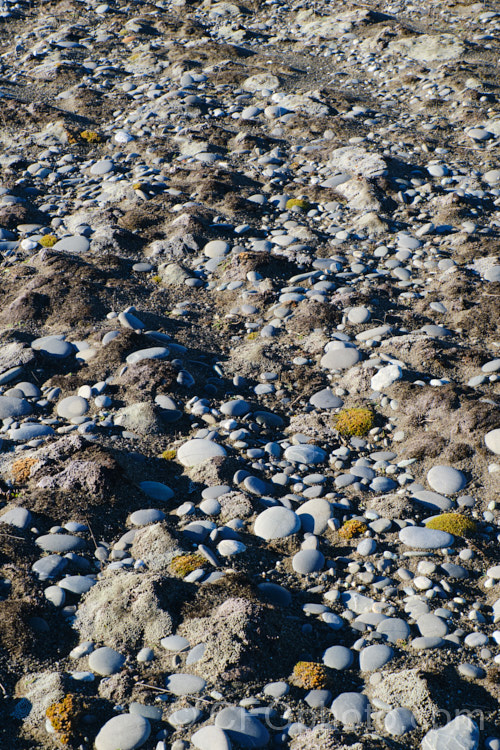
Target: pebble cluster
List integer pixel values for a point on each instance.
(249, 368)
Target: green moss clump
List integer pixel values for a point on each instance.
(357, 421)
(182, 565)
(453, 523)
(310, 675)
(169, 454)
(48, 240)
(352, 528)
(64, 717)
(298, 203)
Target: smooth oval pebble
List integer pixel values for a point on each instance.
(124, 732)
(338, 657)
(72, 406)
(157, 490)
(399, 721)
(492, 441)
(106, 661)
(196, 451)
(446, 479)
(184, 684)
(374, 657)
(308, 561)
(246, 730)
(10, 406)
(351, 708)
(305, 454)
(276, 523)
(211, 738)
(423, 538)
(146, 516)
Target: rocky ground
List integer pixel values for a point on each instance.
(249, 368)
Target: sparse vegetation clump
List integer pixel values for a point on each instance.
(453, 523)
(48, 240)
(352, 528)
(310, 675)
(169, 454)
(64, 717)
(356, 421)
(90, 136)
(298, 203)
(182, 565)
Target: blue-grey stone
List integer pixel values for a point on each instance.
(314, 515)
(246, 730)
(308, 561)
(305, 454)
(268, 419)
(276, 522)
(185, 717)
(55, 595)
(454, 571)
(255, 485)
(446, 479)
(175, 643)
(60, 542)
(419, 537)
(374, 657)
(146, 515)
(18, 517)
(154, 352)
(351, 709)
(185, 684)
(72, 406)
(366, 547)
(318, 698)
(49, 567)
(30, 431)
(338, 657)
(152, 713)
(10, 406)
(196, 654)
(123, 732)
(194, 452)
(77, 584)
(157, 490)
(325, 399)
(211, 738)
(433, 500)
(235, 408)
(340, 359)
(276, 689)
(333, 621)
(53, 346)
(471, 671)
(275, 593)
(459, 734)
(106, 661)
(383, 484)
(394, 629)
(399, 721)
(427, 642)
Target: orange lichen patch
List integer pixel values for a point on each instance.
(21, 469)
(64, 716)
(352, 528)
(310, 675)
